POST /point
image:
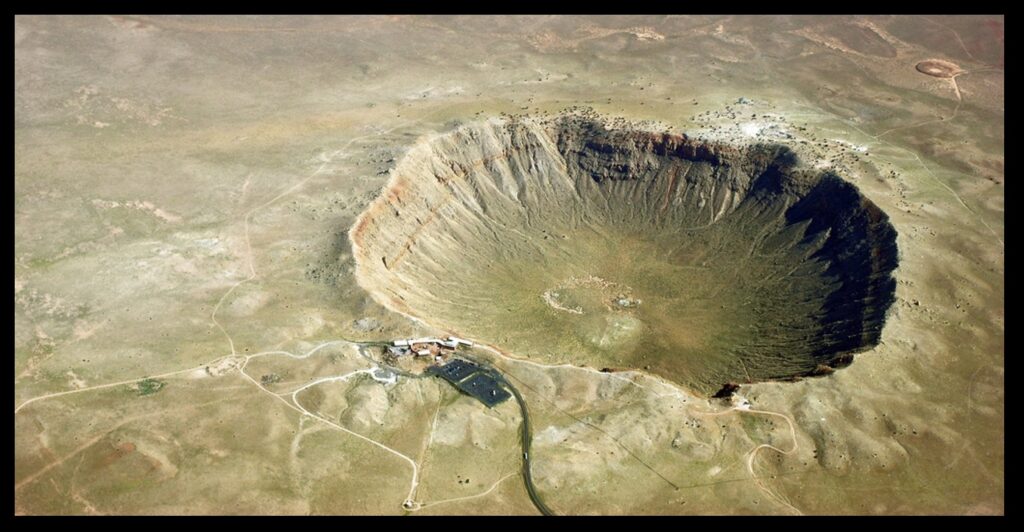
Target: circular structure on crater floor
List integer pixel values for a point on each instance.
(566, 242)
(938, 68)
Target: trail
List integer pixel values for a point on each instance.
(104, 433)
(466, 498)
(959, 102)
(119, 383)
(753, 452)
(241, 368)
(248, 244)
(345, 377)
(955, 34)
(676, 392)
(750, 457)
(299, 357)
(602, 431)
(252, 274)
(759, 481)
(813, 112)
(31, 478)
(971, 383)
(430, 440)
(295, 405)
(505, 356)
(247, 217)
(931, 174)
(935, 178)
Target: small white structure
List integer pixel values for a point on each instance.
(399, 351)
(423, 352)
(400, 343)
(458, 341)
(425, 341)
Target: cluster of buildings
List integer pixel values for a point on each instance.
(422, 347)
(484, 384)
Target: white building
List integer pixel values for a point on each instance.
(458, 340)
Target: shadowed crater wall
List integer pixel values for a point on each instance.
(566, 242)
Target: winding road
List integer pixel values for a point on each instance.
(527, 437)
(526, 433)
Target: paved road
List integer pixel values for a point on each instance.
(527, 436)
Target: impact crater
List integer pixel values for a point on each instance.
(567, 242)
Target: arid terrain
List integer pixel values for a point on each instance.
(216, 216)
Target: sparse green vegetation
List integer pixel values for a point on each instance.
(149, 386)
